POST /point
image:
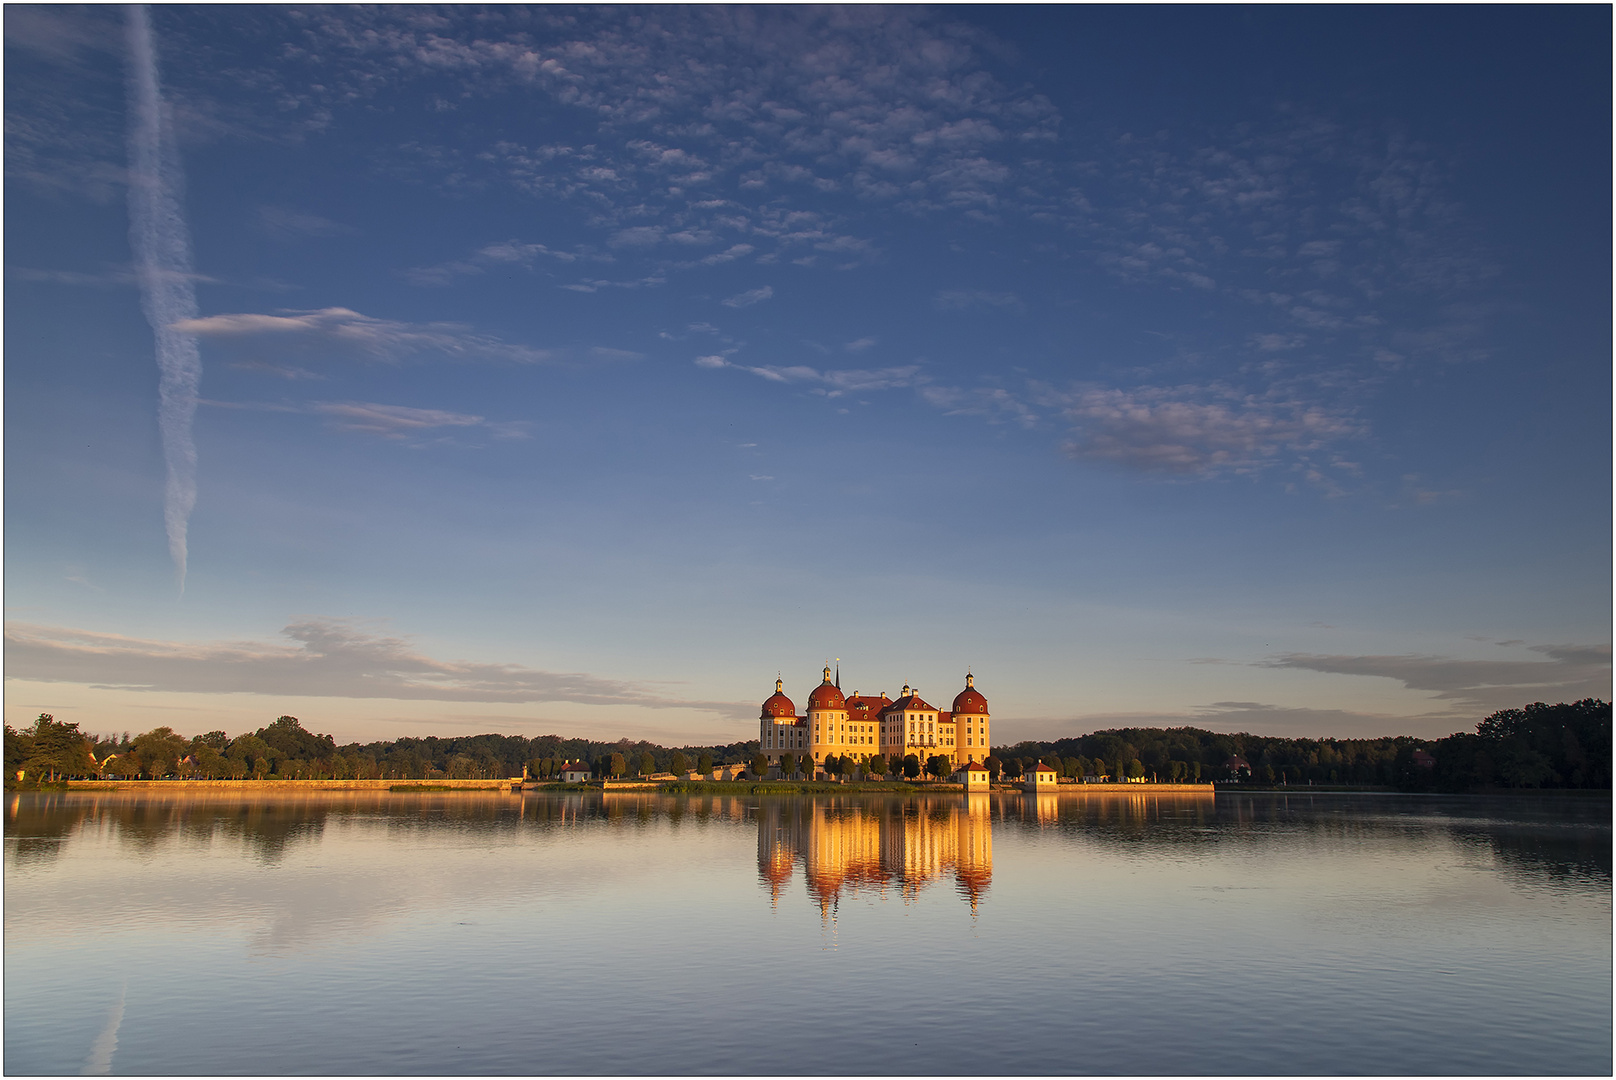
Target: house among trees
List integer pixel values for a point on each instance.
(1040, 777)
(974, 775)
(575, 772)
(1238, 767)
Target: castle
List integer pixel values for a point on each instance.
(860, 726)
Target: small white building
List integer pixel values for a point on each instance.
(1040, 778)
(974, 775)
(575, 772)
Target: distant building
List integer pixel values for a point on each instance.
(861, 726)
(1237, 766)
(1423, 760)
(575, 772)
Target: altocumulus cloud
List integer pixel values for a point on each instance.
(326, 658)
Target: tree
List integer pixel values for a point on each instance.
(788, 764)
(760, 765)
(877, 765)
(704, 764)
(49, 750)
(647, 763)
(938, 766)
(617, 766)
(1099, 768)
(994, 767)
(911, 766)
(679, 765)
(1136, 769)
(1013, 768)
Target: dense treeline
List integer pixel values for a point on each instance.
(1540, 746)
(52, 750)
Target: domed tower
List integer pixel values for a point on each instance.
(778, 728)
(827, 721)
(971, 722)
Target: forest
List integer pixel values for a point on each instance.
(1539, 746)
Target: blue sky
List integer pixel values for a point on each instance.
(577, 370)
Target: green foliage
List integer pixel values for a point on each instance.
(1136, 769)
(994, 766)
(760, 765)
(877, 765)
(704, 764)
(49, 750)
(937, 766)
(1540, 746)
(678, 764)
(647, 763)
(911, 766)
(788, 763)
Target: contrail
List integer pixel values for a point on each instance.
(162, 249)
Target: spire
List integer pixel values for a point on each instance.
(838, 673)
(779, 686)
(968, 682)
(827, 673)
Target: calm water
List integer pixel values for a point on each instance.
(490, 933)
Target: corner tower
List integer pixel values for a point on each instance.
(970, 717)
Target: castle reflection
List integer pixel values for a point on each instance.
(901, 846)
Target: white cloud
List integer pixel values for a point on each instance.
(750, 297)
(831, 383)
(383, 339)
(392, 421)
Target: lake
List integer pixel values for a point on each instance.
(640, 933)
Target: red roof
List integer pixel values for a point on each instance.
(826, 696)
(909, 701)
(976, 766)
(969, 701)
(778, 704)
(575, 766)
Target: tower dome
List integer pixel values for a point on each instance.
(779, 705)
(826, 695)
(968, 700)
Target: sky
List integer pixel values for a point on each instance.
(442, 371)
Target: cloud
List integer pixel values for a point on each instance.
(750, 297)
(343, 329)
(965, 299)
(1571, 673)
(285, 224)
(388, 421)
(327, 658)
(831, 383)
(392, 421)
(860, 345)
(1197, 430)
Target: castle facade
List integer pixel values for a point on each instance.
(858, 725)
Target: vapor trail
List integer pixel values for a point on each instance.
(162, 250)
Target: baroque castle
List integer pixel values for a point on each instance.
(861, 726)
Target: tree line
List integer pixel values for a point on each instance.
(1539, 746)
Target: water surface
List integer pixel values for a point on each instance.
(635, 933)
